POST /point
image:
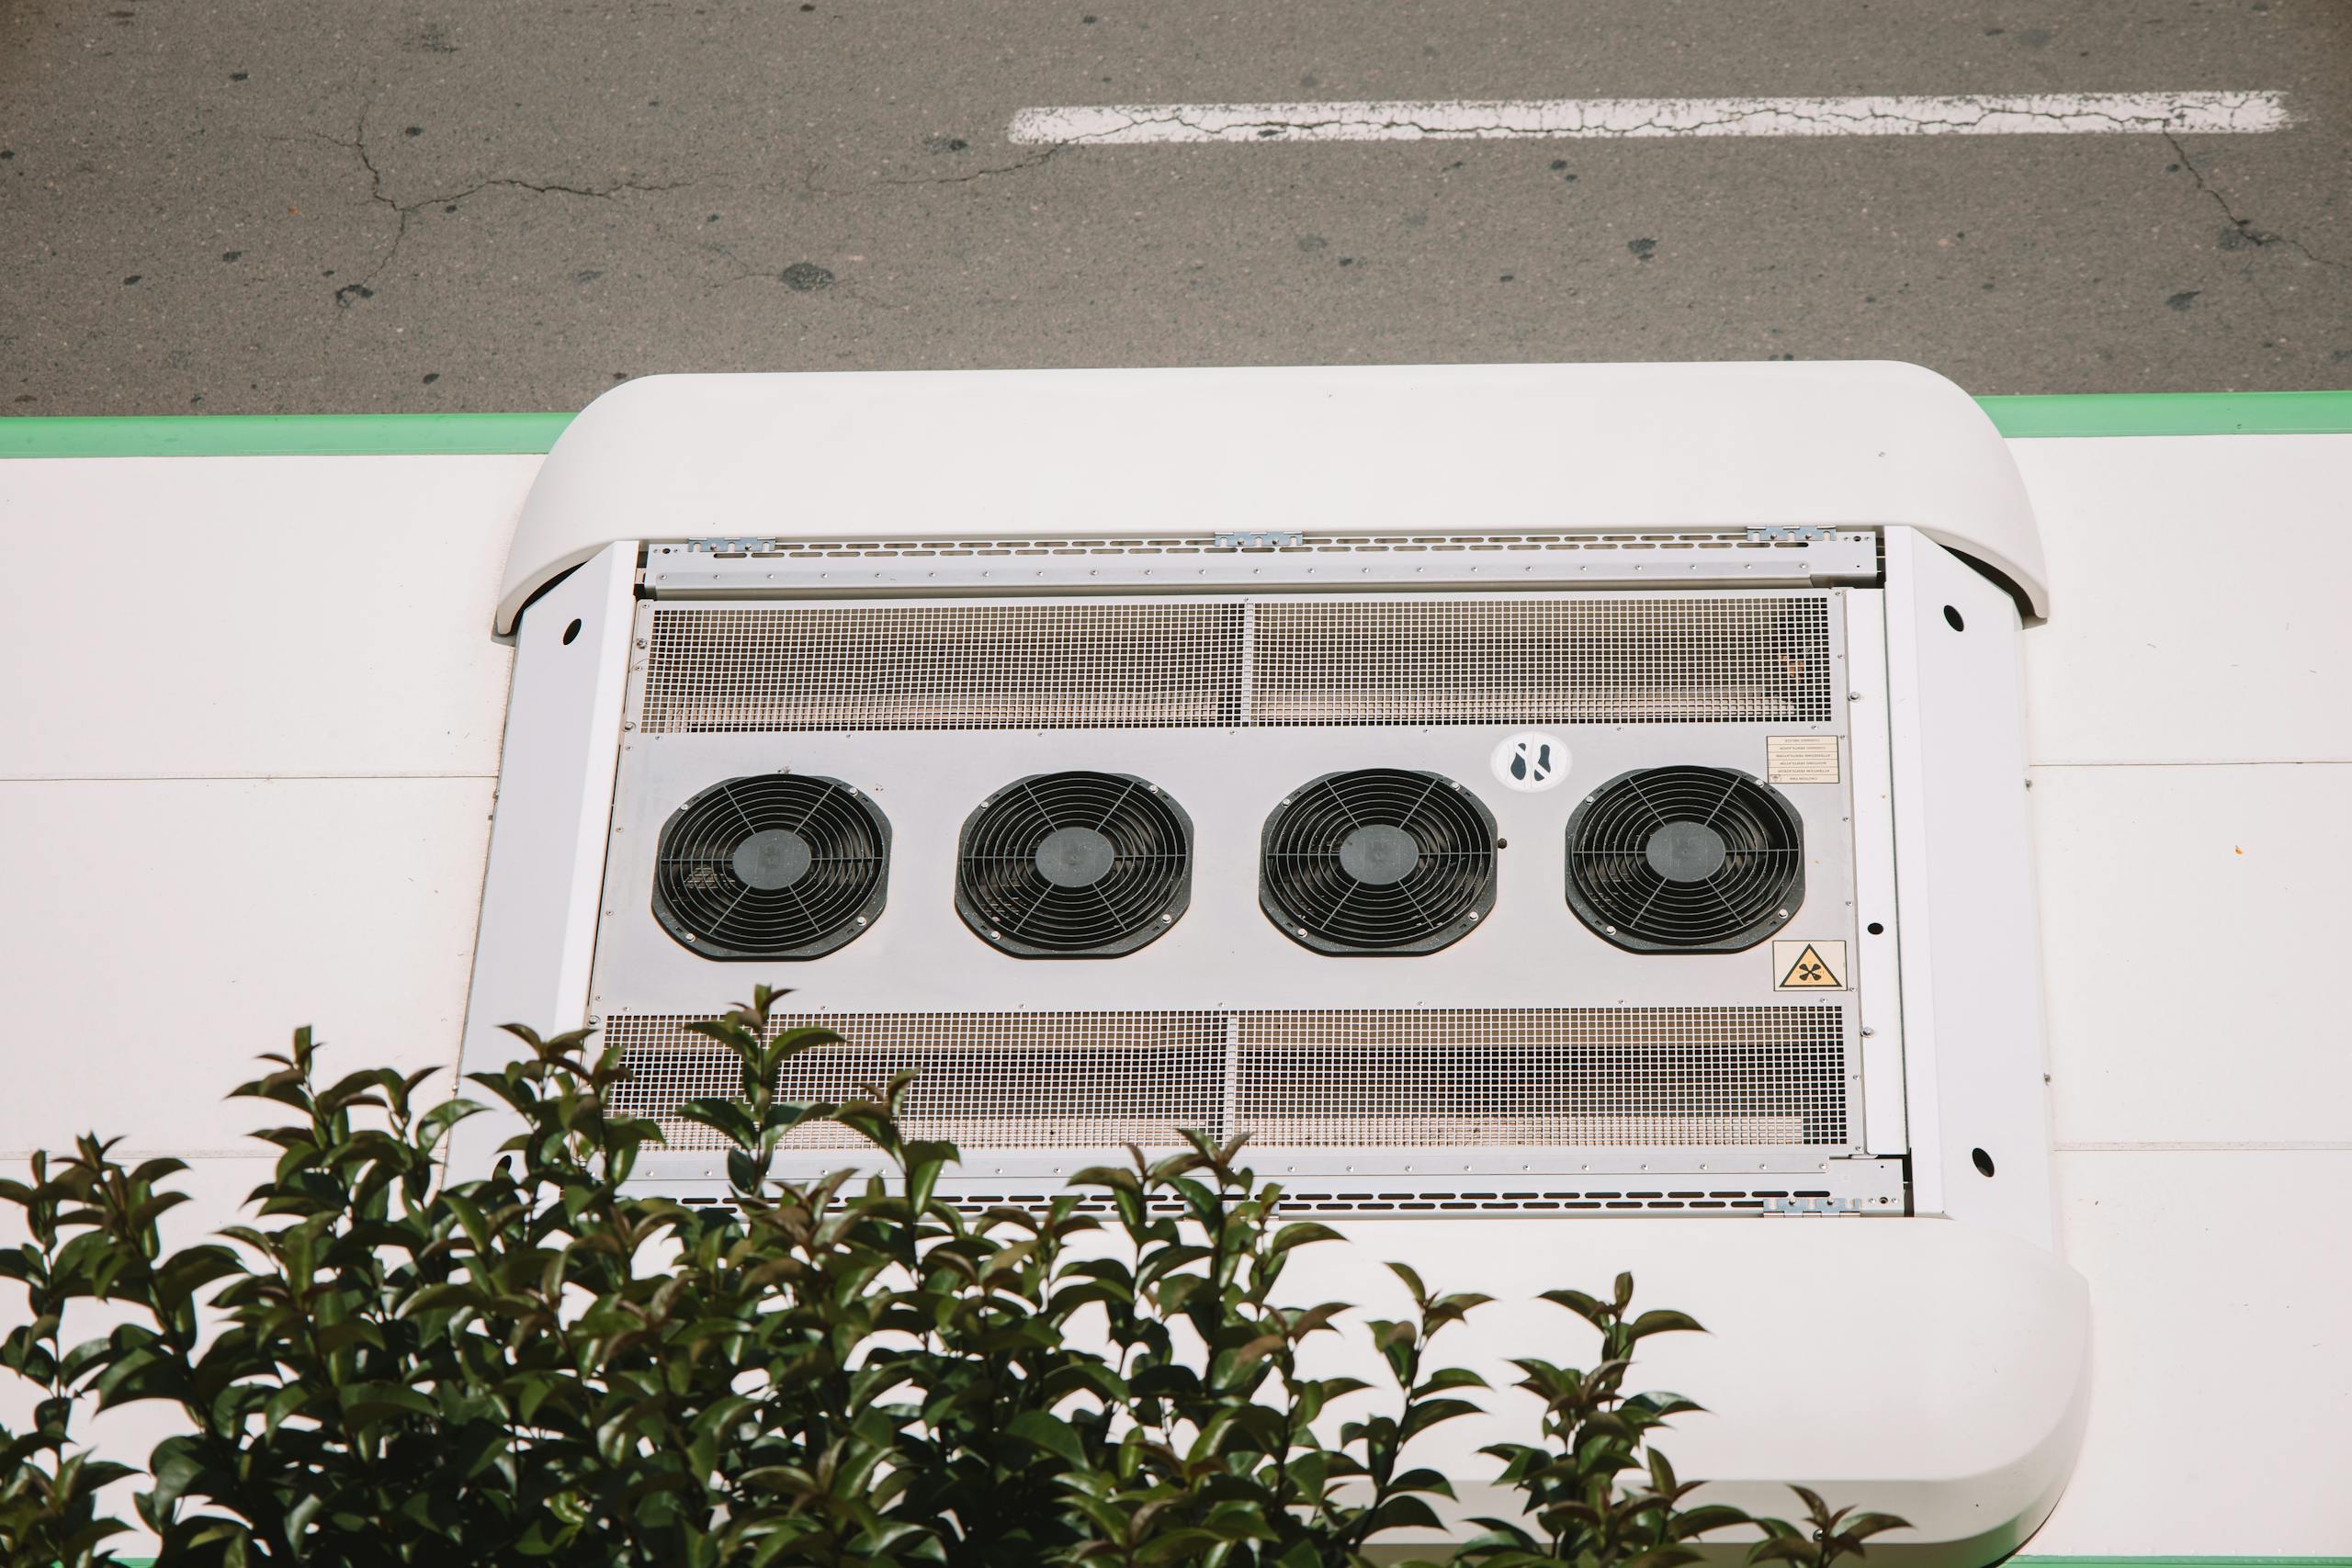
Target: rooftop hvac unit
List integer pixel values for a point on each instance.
(1510, 796)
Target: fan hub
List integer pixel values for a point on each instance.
(774, 859)
(1685, 851)
(1379, 855)
(1074, 857)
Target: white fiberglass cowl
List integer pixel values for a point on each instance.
(901, 596)
(1420, 447)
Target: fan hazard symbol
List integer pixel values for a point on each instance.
(1809, 965)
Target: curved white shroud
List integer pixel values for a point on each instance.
(1932, 1369)
(1935, 1367)
(1473, 448)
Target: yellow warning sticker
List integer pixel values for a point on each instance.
(1809, 965)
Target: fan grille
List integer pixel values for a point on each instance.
(1685, 860)
(1378, 860)
(1074, 866)
(771, 867)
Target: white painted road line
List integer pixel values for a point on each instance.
(2036, 114)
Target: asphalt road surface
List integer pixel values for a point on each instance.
(335, 207)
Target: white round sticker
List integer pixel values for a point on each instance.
(1531, 760)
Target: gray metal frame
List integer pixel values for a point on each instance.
(1224, 954)
(1754, 558)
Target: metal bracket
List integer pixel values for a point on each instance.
(1804, 534)
(1814, 1206)
(723, 547)
(1262, 539)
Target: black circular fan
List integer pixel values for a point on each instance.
(1685, 860)
(1378, 860)
(1074, 866)
(776, 865)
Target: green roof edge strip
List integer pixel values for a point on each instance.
(2172, 413)
(284, 435)
(490, 434)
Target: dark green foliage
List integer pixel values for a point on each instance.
(534, 1369)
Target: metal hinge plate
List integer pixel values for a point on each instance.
(1814, 1206)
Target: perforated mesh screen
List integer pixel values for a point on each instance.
(1612, 658)
(1566, 1077)
(943, 667)
(1453, 1077)
(1373, 659)
(984, 1080)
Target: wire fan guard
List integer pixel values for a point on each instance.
(1074, 866)
(1685, 860)
(1378, 860)
(772, 866)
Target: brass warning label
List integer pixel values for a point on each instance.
(1801, 758)
(1809, 965)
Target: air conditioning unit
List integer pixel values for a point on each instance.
(1583, 801)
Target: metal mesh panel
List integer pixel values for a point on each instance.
(1630, 658)
(1583, 1078)
(1393, 658)
(943, 667)
(1579, 1077)
(983, 1081)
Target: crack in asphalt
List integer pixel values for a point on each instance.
(357, 145)
(2253, 236)
(1015, 167)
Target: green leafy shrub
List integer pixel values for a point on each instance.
(533, 1367)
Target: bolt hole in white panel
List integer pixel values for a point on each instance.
(547, 846)
(1971, 946)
